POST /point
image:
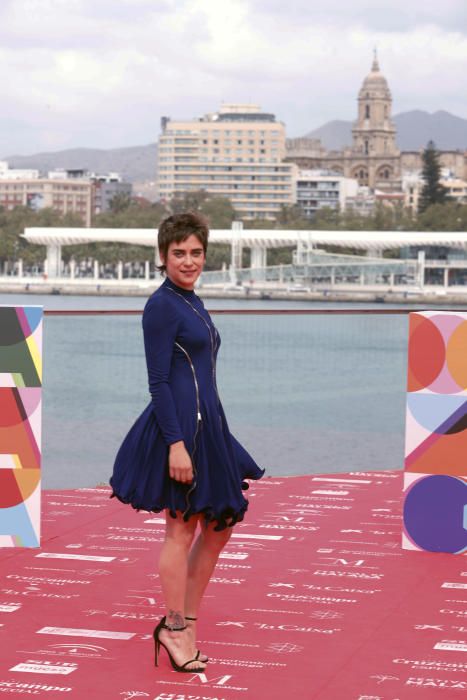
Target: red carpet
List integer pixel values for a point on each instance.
(314, 599)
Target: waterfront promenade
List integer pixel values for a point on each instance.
(313, 599)
(133, 287)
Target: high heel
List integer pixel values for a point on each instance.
(157, 645)
(198, 656)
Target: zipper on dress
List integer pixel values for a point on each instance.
(213, 342)
(198, 421)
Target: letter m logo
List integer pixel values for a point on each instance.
(345, 562)
(219, 680)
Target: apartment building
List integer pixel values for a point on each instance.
(65, 196)
(236, 152)
(413, 183)
(72, 190)
(7, 173)
(316, 189)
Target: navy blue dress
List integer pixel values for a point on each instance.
(181, 345)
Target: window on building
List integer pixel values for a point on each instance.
(367, 150)
(367, 111)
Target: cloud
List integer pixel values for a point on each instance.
(370, 15)
(102, 73)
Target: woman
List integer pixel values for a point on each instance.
(179, 456)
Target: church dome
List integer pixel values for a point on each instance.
(375, 84)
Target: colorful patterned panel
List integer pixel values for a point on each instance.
(20, 425)
(435, 482)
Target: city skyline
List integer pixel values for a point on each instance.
(102, 74)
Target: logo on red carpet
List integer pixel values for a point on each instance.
(340, 589)
(381, 678)
(17, 687)
(230, 623)
(84, 650)
(294, 628)
(221, 682)
(135, 616)
(456, 613)
(78, 632)
(96, 572)
(432, 665)
(326, 615)
(451, 645)
(34, 592)
(182, 696)
(348, 574)
(437, 683)
(9, 607)
(35, 580)
(323, 600)
(281, 526)
(47, 667)
(284, 648)
(217, 579)
(76, 557)
(88, 651)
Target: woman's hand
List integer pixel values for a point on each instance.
(180, 465)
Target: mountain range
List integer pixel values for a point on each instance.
(134, 163)
(414, 130)
(137, 164)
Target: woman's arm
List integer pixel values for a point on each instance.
(160, 325)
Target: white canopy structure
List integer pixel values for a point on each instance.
(259, 240)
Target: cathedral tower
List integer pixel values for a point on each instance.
(374, 132)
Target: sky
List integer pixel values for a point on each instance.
(101, 73)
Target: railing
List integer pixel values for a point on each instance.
(306, 390)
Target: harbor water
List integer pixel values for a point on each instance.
(304, 393)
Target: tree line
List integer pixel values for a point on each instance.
(436, 213)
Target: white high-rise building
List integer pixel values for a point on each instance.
(236, 153)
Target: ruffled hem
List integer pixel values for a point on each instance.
(227, 517)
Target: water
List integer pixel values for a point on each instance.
(305, 394)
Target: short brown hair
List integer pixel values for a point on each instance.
(178, 228)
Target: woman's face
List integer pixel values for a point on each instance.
(185, 262)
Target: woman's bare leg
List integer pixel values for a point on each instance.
(173, 574)
(201, 564)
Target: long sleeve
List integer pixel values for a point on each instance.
(160, 324)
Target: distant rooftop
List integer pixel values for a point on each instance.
(239, 112)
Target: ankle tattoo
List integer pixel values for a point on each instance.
(175, 620)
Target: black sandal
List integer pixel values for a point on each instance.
(206, 658)
(157, 645)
